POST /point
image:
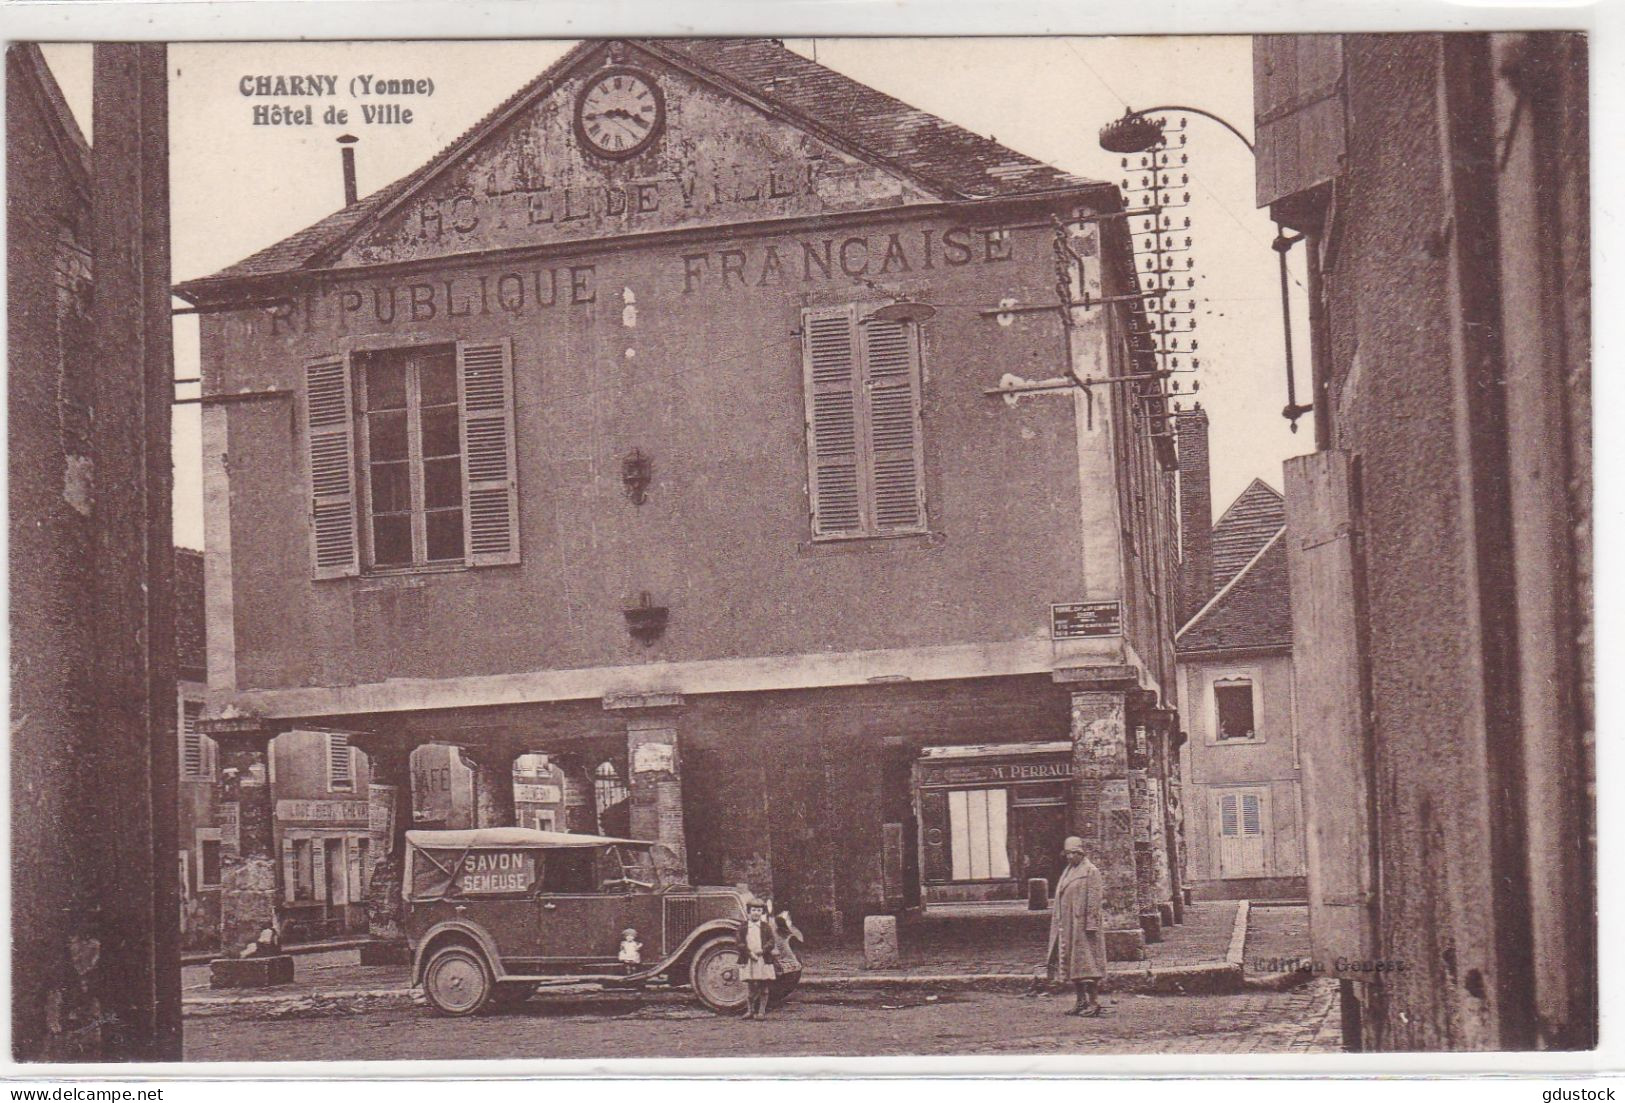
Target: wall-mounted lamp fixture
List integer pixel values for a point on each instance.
(904, 310)
(636, 472)
(646, 620)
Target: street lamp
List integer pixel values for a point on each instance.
(1138, 132)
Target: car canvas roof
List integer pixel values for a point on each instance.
(510, 836)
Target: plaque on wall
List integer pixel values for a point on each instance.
(1076, 620)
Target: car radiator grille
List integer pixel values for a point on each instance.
(682, 916)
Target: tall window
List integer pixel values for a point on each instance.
(208, 863)
(864, 452)
(1233, 704)
(411, 459)
(411, 439)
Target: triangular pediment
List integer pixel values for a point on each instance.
(718, 156)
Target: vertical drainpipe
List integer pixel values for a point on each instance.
(1470, 242)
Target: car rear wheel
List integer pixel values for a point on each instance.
(457, 981)
(714, 973)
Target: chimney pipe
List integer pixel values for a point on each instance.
(347, 152)
(1195, 513)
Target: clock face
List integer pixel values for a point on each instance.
(620, 112)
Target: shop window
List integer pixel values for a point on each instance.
(608, 788)
(1233, 708)
(430, 432)
(864, 449)
(300, 874)
(978, 822)
(208, 865)
(340, 763)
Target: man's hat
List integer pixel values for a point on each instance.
(1073, 843)
(755, 902)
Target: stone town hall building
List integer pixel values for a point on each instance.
(648, 426)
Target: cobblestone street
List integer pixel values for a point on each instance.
(830, 1022)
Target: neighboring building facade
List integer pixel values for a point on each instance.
(1243, 804)
(664, 446)
(1439, 540)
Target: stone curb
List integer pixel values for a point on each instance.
(1203, 979)
(1206, 978)
(301, 948)
(1238, 935)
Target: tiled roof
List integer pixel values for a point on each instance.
(1255, 610)
(917, 142)
(947, 159)
(69, 138)
(1255, 516)
(191, 654)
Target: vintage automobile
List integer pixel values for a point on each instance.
(494, 914)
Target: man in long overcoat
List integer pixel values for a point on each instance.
(1077, 938)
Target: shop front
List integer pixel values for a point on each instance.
(991, 818)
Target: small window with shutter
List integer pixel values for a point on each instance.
(864, 444)
(197, 759)
(340, 763)
(411, 458)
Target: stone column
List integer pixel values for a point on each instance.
(1145, 798)
(580, 796)
(250, 878)
(655, 770)
(493, 784)
(1165, 728)
(1102, 811)
(389, 817)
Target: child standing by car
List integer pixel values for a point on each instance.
(756, 957)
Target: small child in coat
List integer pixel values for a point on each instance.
(757, 956)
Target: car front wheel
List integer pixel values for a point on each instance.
(714, 973)
(457, 981)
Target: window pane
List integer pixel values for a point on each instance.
(446, 534)
(392, 541)
(442, 483)
(391, 488)
(437, 379)
(1234, 704)
(386, 436)
(440, 436)
(386, 385)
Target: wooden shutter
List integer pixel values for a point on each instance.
(1298, 112)
(1251, 820)
(1323, 567)
(318, 869)
(194, 758)
(891, 384)
(340, 772)
(1228, 822)
(490, 475)
(330, 438)
(290, 871)
(834, 463)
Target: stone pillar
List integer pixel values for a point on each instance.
(389, 818)
(1165, 728)
(493, 784)
(1102, 811)
(655, 772)
(1145, 800)
(580, 795)
(250, 880)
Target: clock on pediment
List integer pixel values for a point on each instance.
(619, 112)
